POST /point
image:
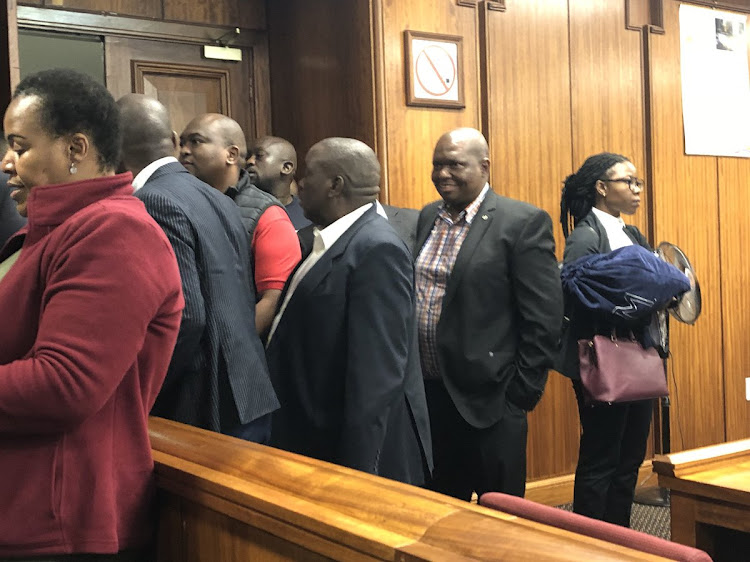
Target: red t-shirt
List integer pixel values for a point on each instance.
(275, 248)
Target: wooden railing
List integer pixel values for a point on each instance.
(222, 499)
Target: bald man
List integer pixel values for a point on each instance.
(271, 164)
(213, 149)
(490, 311)
(218, 377)
(343, 352)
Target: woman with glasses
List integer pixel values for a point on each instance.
(613, 438)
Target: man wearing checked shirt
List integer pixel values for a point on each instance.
(489, 307)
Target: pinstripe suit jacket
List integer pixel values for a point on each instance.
(218, 377)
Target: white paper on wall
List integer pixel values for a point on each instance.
(715, 82)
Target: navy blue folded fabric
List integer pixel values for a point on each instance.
(629, 282)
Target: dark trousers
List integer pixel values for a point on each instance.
(468, 459)
(613, 445)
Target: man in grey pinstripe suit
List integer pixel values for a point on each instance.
(218, 378)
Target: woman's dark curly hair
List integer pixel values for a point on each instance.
(579, 189)
(72, 102)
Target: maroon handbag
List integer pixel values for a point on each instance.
(620, 370)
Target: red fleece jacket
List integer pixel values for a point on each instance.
(89, 316)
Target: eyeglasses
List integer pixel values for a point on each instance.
(636, 185)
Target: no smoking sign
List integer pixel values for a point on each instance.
(433, 75)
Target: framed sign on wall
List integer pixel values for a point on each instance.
(434, 69)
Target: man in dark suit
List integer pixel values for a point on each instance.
(403, 221)
(342, 349)
(10, 220)
(489, 305)
(218, 378)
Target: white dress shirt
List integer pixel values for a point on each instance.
(322, 240)
(143, 176)
(615, 229)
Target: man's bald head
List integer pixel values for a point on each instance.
(147, 133)
(460, 167)
(225, 128)
(353, 161)
(271, 164)
(473, 141)
(213, 148)
(342, 175)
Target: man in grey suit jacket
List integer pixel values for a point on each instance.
(218, 378)
(343, 352)
(490, 311)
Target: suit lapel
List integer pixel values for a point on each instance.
(425, 228)
(323, 266)
(482, 221)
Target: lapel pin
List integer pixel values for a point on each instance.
(484, 217)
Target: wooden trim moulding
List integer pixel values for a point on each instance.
(485, 76)
(143, 68)
(494, 5)
(379, 95)
(655, 17)
(735, 6)
(46, 19)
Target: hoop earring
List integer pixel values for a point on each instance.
(73, 168)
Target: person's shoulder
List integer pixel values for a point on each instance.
(377, 231)
(516, 207)
(430, 207)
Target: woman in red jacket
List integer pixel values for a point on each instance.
(91, 302)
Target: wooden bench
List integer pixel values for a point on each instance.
(710, 498)
(227, 500)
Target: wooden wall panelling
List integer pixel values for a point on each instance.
(250, 14)
(413, 131)
(9, 69)
(734, 231)
(142, 8)
(527, 122)
(259, 90)
(606, 93)
(684, 200)
(321, 81)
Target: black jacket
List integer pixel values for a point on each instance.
(499, 327)
(590, 237)
(344, 359)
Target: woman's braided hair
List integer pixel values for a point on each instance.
(579, 189)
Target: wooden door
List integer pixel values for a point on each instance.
(188, 85)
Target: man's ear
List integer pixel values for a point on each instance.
(485, 164)
(337, 187)
(175, 142)
(233, 155)
(287, 168)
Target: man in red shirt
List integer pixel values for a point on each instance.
(213, 149)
